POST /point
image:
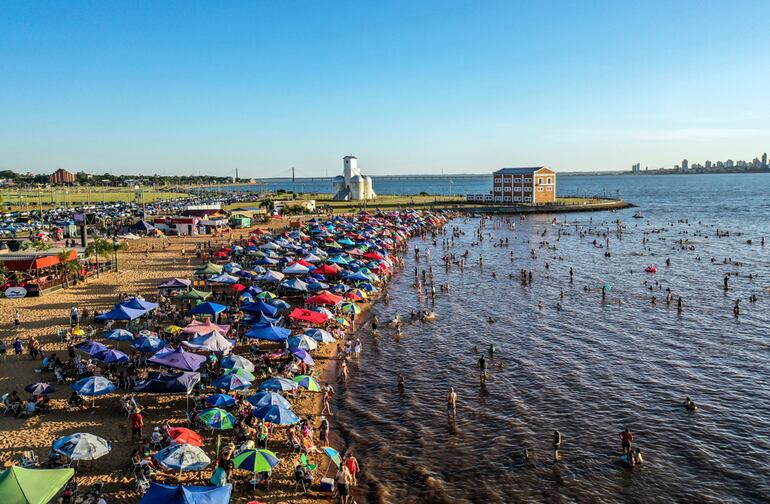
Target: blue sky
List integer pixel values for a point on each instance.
(409, 87)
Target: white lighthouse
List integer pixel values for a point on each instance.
(352, 184)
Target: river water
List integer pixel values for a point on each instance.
(588, 370)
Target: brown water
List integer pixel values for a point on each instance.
(588, 370)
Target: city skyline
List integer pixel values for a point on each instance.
(179, 88)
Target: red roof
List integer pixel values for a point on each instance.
(31, 262)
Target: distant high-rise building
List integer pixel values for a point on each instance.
(685, 165)
(729, 163)
(635, 168)
(756, 163)
(764, 160)
(720, 164)
(708, 164)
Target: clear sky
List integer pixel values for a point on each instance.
(192, 87)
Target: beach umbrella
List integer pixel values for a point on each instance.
(276, 414)
(302, 341)
(307, 382)
(82, 446)
(182, 457)
(231, 382)
(19, 485)
(220, 401)
(146, 333)
(148, 345)
(333, 455)
(111, 357)
(92, 386)
(90, 347)
(183, 435)
(119, 335)
(255, 461)
(237, 362)
(278, 383)
(39, 388)
(267, 398)
(173, 329)
(303, 356)
(242, 373)
(351, 308)
(266, 295)
(320, 335)
(217, 418)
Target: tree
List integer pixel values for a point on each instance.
(268, 204)
(68, 267)
(100, 247)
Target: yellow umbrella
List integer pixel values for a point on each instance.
(173, 329)
(78, 331)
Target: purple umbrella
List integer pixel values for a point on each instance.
(178, 359)
(303, 355)
(91, 347)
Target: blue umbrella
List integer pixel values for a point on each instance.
(220, 401)
(276, 414)
(237, 362)
(278, 383)
(39, 388)
(93, 386)
(302, 341)
(148, 344)
(256, 461)
(90, 347)
(231, 382)
(267, 398)
(82, 446)
(303, 355)
(119, 335)
(182, 457)
(112, 357)
(320, 335)
(217, 418)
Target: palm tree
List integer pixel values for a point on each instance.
(267, 204)
(104, 248)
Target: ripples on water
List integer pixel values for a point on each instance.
(589, 371)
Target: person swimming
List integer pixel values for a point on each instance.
(401, 382)
(491, 349)
(689, 404)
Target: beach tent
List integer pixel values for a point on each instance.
(111, 356)
(149, 344)
(139, 304)
(90, 347)
(179, 494)
(178, 359)
(194, 294)
(294, 284)
(268, 332)
(308, 316)
(302, 341)
(141, 226)
(260, 307)
(182, 457)
(296, 269)
(211, 341)
(223, 278)
(208, 308)
(82, 446)
(209, 269)
(32, 486)
(168, 383)
(175, 283)
(121, 312)
(324, 298)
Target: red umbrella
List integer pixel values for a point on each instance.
(324, 298)
(182, 435)
(373, 255)
(237, 287)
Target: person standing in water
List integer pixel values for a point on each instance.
(483, 369)
(452, 403)
(625, 441)
(556, 445)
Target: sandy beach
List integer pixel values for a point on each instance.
(42, 317)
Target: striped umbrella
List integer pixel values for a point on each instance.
(307, 382)
(82, 446)
(276, 414)
(182, 457)
(241, 373)
(256, 461)
(220, 400)
(217, 418)
(268, 398)
(232, 382)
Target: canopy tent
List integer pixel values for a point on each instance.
(82, 446)
(324, 298)
(168, 383)
(209, 269)
(308, 316)
(178, 359)
(260, 306)
(175, 283)
(121, 312)
(32, 486)
(223, 278)
(194, 294)
(141, 226)
(198, 327)
(268, 332)
(208, 308)
(139, 304)
(179, 494)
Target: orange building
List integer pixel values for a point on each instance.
(535, 184)
(61, 176)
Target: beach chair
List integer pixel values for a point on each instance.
(61, 334)
(142, 485)
(310, 467)
(29, 459)
(9, 407)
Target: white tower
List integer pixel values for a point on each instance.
(350, 169)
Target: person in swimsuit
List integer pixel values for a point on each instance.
(452, 402)
(625, 441)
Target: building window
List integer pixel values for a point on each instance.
(498, 180)
(548, 180)
(527, 199)
(539, 180)
(548, 188)
(517, 180)
(507, 188)
(527, 189)
(507, 179)
(507, 198)
(517, 198)
(528, 180)
(539, 189)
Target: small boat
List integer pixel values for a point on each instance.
(651, 268)
(638, 215)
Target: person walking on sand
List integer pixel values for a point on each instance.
(17, 320)
(327, 399)
(452, 403)
(136, 421)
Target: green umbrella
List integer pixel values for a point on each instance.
(307, 382)
(243, 373)
(217, 418)
(32, 486)
(256, 461)
(351, 308)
